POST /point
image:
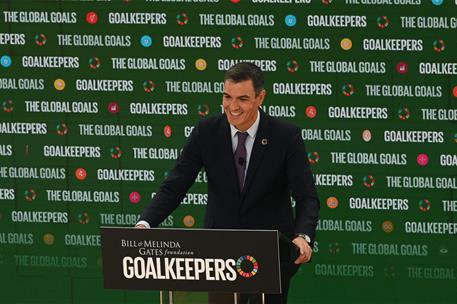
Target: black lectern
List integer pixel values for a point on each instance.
(238, 261)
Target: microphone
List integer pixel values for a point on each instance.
(241, 161)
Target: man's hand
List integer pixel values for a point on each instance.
(305, 250)
(140, 226)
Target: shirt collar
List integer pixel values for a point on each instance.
(252, 131)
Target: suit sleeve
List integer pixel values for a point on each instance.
(302, 187)
(175, 187)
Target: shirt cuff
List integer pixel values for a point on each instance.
(146, 224)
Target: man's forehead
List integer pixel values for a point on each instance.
(244, 87)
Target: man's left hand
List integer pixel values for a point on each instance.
(305, 250)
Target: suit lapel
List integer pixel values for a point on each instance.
(258, 150)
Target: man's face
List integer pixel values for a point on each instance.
(241, 103)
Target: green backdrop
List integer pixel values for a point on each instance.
(98, 98)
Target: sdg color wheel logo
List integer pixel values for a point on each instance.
(247, 266)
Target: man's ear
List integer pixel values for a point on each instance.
(261, 96)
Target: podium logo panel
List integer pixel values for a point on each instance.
(191, 260)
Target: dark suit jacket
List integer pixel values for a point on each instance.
(278, 168)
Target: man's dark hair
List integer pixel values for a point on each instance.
(243, 71)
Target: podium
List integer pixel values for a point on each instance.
(229, 261)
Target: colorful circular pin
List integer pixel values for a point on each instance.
(311, 111)
(366, 135)
(80, 174)
(237, 42)
(113, 107)
(134, 197)
(59, 84)
(290, 20)
(8, 106)
(49, 239)
(422, 159)
(188, 221)
(94, 63)
(40, 39)
(203, 110)
(146, 41)
(167, 131)
(332, 202)
(388, 226)
(402, 67)
(91, 17)
(369, 181)
(201, 64)
(6, 61)
(346, 44)
(62, 129)
(292, 66)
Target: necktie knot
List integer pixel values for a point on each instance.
(242, 137)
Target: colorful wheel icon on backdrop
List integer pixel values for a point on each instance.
(8, 106)
(237, 42)
(203, 110)
(59, 84)
(182, 19)
(94, 63)
(134, 197)
(62, 129)
(348, 89)
(6, 61)
(30, 194)
(49, 239)
(388, 226)
(166, 174)
(382, 22)
(439, 45)
(149, 86)
(83, 218)
(167, 131)
(113, 107)
(146, 41)
(402, 67)
(326, 2)
(235, 1)
(366, 135)
(334, 248)
(389, 272)
(290, 20)
(422, 159)
(369, 181)
(424, 205)
(313, 157)
(437, 2)
(40, 39)
(81, 174)
(455, 137)
(247, 266)
(91, 17)
(115, 152)
(201, 64)
(311, 111)
(332, 202)
(403, 113)
(188, 221)
(292, 66)
(454, 91)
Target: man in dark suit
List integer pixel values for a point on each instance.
(254, 163)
